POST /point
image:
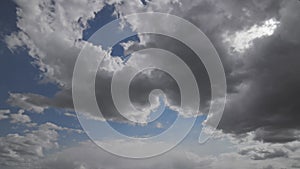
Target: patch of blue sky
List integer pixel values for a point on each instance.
(103, 17)
(144, 2)
(57, 117)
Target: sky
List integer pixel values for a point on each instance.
(150, 108)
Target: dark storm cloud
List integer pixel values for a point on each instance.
(268, 70)
(271, 102)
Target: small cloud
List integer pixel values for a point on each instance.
(3, 114)
(69, 114)
(20, 117)
(159, 125)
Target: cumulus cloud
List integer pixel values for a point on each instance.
(22, 150)
(20, 117)
(16, 118)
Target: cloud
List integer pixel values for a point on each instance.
(267, 103)
(262, 154)
(17, 118)
(4, 114)
(61, 28)
(55, 54)
(159, 125)
(22, 150)
(91, 156)
(261, 115)
(262, 80)
(243, 40)
(20, 117)
(23, 101)
(70, 114)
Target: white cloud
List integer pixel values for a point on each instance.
(51, 30)
(4, 114)
(20, 117)
(159, 125)
(242, 40)
(17, 150)
(69, 114)
(20, 150)
(49, 125)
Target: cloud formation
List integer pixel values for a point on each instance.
(262, 78)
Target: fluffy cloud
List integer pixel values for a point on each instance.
(20, 117)
(60, 23)
(21, 151)
(16, 118)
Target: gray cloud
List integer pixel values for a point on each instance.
(262, 154)
(22, 150)
(263, 81)
(269, 100)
